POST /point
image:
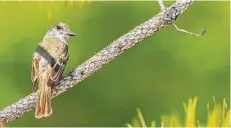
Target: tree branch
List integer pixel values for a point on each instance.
(117, 47)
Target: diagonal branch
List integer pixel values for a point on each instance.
(117, 47)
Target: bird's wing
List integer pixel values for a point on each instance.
(35, 69)
(57, 67)
(57, 70)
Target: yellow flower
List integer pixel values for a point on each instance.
(219, 116)
(190, 111)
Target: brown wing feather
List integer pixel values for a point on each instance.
(35, 70)
(57, 71)
(58, 68)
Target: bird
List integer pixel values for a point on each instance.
(48, 63)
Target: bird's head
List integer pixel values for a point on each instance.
(60, 30)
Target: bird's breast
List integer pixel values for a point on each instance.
(54, 48)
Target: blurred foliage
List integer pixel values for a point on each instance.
(159, 73)
(219, 116)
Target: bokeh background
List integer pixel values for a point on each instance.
(157, 75)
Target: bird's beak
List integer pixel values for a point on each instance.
(71, 33)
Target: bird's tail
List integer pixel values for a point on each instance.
(43, 106)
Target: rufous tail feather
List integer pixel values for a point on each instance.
(43, 106)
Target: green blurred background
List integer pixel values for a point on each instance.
(157, 75)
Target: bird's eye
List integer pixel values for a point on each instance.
(58, 27)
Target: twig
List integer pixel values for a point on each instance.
(90, 66)
(190, 33)
(161, 3)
